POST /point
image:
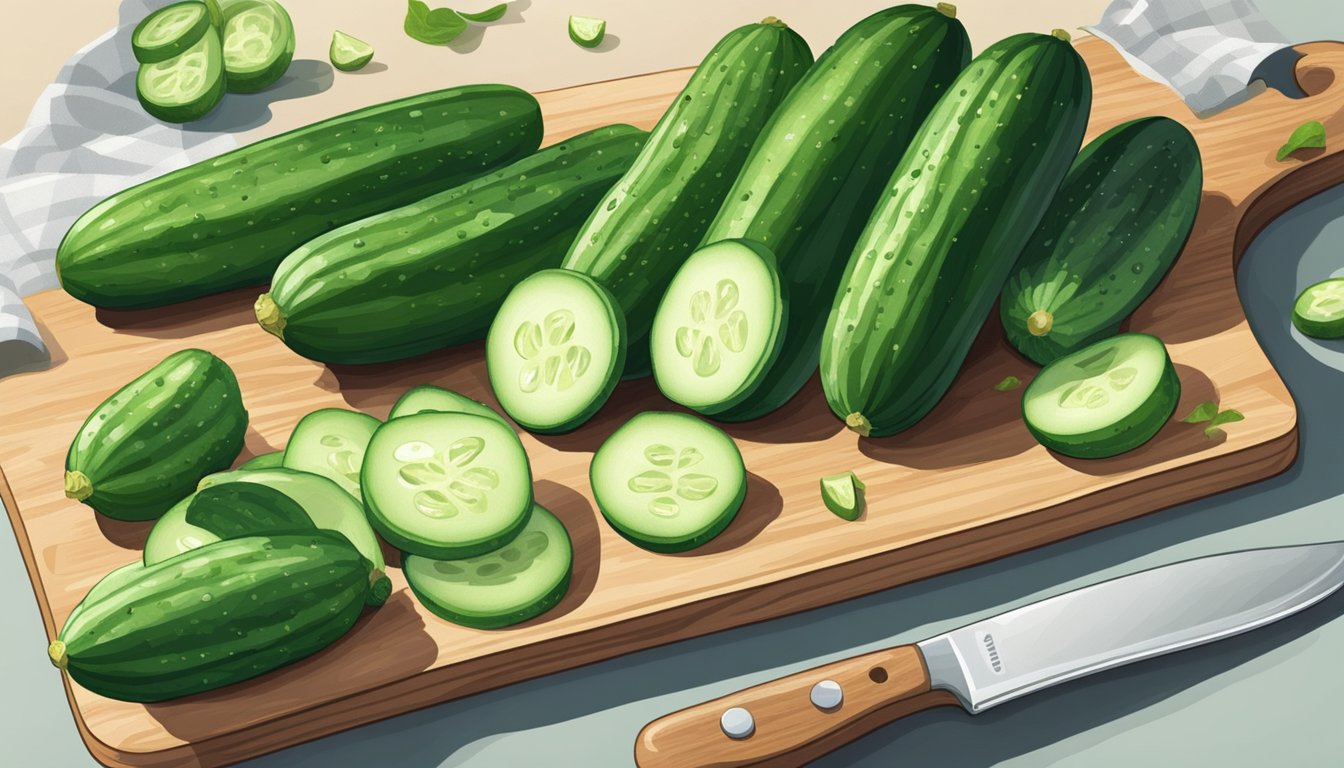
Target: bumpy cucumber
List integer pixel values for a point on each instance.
(330, 442)
(431, 399)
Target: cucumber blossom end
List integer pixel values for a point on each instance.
(1040, 322)
(269, 316)
(56, 652)
(859, 423)
(1061, 34)
(947, 9)
(774, 21)
(78, 486)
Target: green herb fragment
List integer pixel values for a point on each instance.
(432, 27)
(1008, 384)
(1310, 134)
(1205, 411)
(489, 14)
(1223, 417)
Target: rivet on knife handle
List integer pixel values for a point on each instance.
(795, 719)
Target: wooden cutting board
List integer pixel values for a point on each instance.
(965, 486)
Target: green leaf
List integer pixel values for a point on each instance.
(1310, 134)
(233, 510)
(1205, 411)
(489, 14)
(1009, 383)
(436, 27)
(1223, 417)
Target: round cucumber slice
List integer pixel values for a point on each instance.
(1105, 399)
(349, 54)
(586, 31)
(270, 460)
(185, 87)
(258, 43)
(524, 578)
(1319, 310)
(169, 31)
(555, 350)
(431, 399)
(668, 482)
(719, 326)
(330, 442)
(447, 485)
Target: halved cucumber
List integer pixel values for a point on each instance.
(270, 460)
(668, 482)
(555, 350)
(1319, 310)
(258, 43)
(169, 31)
(719, 326)
(431, 399)
(524, 578)
(1105, 399)
(843, 495)
(330, 442)
(447, 485)
(185, 87)
(347, 53)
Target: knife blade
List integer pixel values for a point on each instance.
(798, 718)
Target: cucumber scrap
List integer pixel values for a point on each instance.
(431, 399)
(185, 87)
(258, 43)
(1319, 310)
(349, 54)
(169, 31)
(587, 31)
(843, 495)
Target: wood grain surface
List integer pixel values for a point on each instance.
(965, 486)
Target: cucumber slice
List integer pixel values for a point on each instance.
(719, 326)
(172, 535)
(349, 54)
(555, 350)
(524, 578)
(330, 442)
(258, 43)
(447, 485)
(668, 482)
(185, 87)
(431, 399)
(108, 585)
(169, 31)
(1319, 310)
(1105, 399)
(843, 494)
(271, 460)
(587, 31)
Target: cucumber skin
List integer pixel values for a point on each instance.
(289, 594)
(358, 295)
(186, 113)
(196, 429)
(272, 460)
(168, 240)
(646, 226)
(546, 603)
(1129, 201)
(890, 353)
(251, 82)
(919, 51)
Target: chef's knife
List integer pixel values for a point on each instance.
(798, 718)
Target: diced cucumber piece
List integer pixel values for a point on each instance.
(185, 87)
(668, 482)
(270, 460)
(349, 54)
(1319, 310)
(431, 399)
(719, 326)
(555, 350)
(258, 43)
(843, 494)
(108, 585)
(169, 31)
(172, 534)
(1105, 399)
(524, 578)
(587, 31)
(447, 485)
(330, 442)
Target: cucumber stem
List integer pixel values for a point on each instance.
(56, 652)
(1061, 34)
(774, 21)
(269, 316)
(859, 423)
(78, 486)
(1040, 322)
(380, 587)
(947, 9)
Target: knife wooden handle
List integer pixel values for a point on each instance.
(789, 729)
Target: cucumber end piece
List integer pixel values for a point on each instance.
(269, 316)
(1040, 322)
(774, 21)
(57, 653)
(380, 587)
(859, 423)
(1061, 34)
(947, 9)
(78, 486)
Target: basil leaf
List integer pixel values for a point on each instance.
(489, 14)
(1310, 134)
(234, 510)
(1205, 411)
(1223, 417)
(1008, 383)
(436, 27)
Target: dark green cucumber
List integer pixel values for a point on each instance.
(959, 209)
(217, 615)
(227, 222)
(653, 218)
(432, 274)
(151, 442)
(821, 162)
(1113, 231)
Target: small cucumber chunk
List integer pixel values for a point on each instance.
(719, 326)
(169, 31)
(1319, 310)
(447, 485)
(524, 578)
(587, 31)
(555, 350)
(330, 442)
(431, 399)
(843, 494)
(185, 87)
(1105, 399)
(349, 54)
(258, 43)
(270, 460)
(668, 482)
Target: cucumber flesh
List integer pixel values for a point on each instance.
(185, 87)
(169, 31)
(271, 460)
(668, 482)
(719, 326)
(258, 44)
(349, 54)
(172, 535)
(331, 442)
(1105, 399)
(555, 350)
(447, 485)
(587, 31)
(1319, 310)
(524, 578)
(843, 495)
(431, 399)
